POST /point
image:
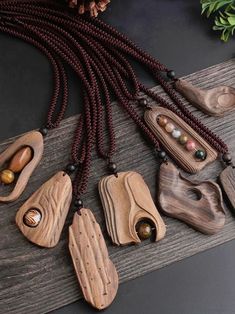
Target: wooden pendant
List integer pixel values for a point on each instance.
(177, 148)
(216, 101)
(41, 218)
(126, 201)
(34, 141)
(227, 180)
(199, 205)
(96, 273)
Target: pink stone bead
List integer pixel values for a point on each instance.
(190, 145)
(169, 127)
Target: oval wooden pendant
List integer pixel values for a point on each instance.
(227, 180)
(34, 141)
(95, 271)
(126, 200)
(41, 218)
(216, 101)
(200, 205)
(189, 149)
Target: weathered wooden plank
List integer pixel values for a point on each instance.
(38, 280)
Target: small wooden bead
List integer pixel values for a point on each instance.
(183, 139)
(171, 74)
(70, 168)
(176, 133)
(21, 159)
(7, 176)
(162, 121)
(144, 231)
(190, 145)
(169, 127)
(162, 154)
(227, 158)
(32, 218)
(44, 131)
(112, 167)
(200, 154)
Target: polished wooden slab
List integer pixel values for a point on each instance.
(38, 279)
(227, 180)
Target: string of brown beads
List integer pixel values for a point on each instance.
(17, 164)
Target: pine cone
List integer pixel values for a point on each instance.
(89, 6)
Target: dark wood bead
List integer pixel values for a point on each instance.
(162, 154)
(44, 131)
(112, 167)
(171, 74)
(143, 102)
(71, 168)
(78, 203)
(227, 158)
(144, 230)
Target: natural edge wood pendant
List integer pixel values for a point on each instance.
(191, 161)
(199, 205)
(227, 180)
(95, 271)
(216, 101)
(126, 201)
(33, 141)
(41, 218)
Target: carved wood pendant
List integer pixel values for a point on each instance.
(34, 141)
(175, 135)
(126, 201)
(227, 180)
(216, 101)
(199, 205)
(41, 218)
(96, 273)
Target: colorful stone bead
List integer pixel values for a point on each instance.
(21, 159)
(7, 176)
(176, 133)
(162, 121)
(190, 145)
(32, 218)
(183, 139)
(169, 127)
(144, 231)
(200, 154)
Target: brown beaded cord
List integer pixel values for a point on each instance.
(100, 56)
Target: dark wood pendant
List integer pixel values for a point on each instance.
(95, 271)
(216, 101)
(127, 201)
(41, 218)
(24, 155)
(184, 145)
(227, 180)
(199, 205)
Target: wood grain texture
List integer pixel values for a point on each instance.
(37, 280)
(227, 179)
(215, 101)
(200, 205)
(126, 200)
(34, 140)
(96, 273)
(183, 157)
(52, 200)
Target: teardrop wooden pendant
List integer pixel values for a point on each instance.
(41, 218)
(178, 147)
(216, 101)
(126, 201)
(199, 205)
(95, 271)
(32, 141)
(227, 180)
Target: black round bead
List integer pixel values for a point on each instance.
(70, 168)
(43, 131)
(78, 203)
(171, 74)
(162, 154)
(227, 158)
(143, 102)
(112, 167)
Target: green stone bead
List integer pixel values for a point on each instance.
(200, 154)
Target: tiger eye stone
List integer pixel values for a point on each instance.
(144, 231)
(7, 176)
(162, 121)
(32, 218)
(21, 159)
(183, 139)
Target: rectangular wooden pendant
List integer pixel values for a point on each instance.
(185, 158)
(126, 201)
(227, 180)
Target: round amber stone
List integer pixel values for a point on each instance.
(7, 176)
(162, 121)
(183, 139)
(144, 231)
